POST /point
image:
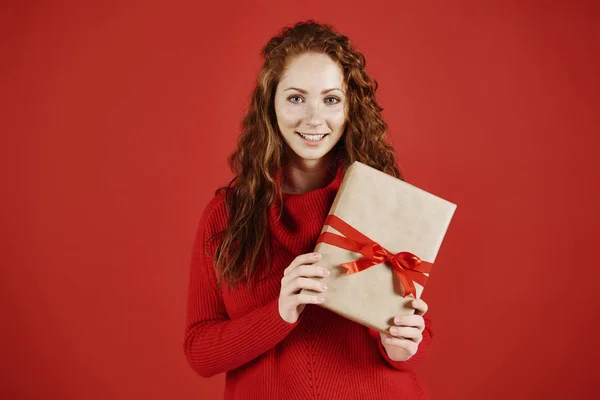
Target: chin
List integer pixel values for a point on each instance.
(311, 155)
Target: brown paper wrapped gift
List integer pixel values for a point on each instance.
(387, 217)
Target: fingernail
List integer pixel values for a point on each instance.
(324, 286)
(394, 331)
(388, 340)
(397, 320)
(325, 272)
(320, 299)
(316, 255)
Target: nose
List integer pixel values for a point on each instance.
(313, 116)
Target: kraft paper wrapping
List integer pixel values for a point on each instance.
(398, 216)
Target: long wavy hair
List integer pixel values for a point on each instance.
(261, 151)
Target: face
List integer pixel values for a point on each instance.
(310, 105)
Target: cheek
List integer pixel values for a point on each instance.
(289, 116)
(337, 118)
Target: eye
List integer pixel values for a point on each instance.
(336, 100)
(294, 97)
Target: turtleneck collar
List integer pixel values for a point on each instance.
(302, 215)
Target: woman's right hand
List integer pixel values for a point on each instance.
(297, 277)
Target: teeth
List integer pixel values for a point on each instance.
(313, 138)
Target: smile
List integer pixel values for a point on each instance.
(312, 137)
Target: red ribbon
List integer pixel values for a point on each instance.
(406, 266)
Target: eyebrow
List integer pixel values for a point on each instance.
(305, 92)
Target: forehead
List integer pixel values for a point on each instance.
(312, 70)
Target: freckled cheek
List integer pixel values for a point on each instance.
(290, 117)
(336, 119)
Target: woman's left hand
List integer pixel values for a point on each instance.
(406, 333)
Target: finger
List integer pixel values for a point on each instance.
(303, 283)
(297, 279)
(299, 261)
(308, 299)
(308, 258)
(408, 345)
(315, 271)
(413, 334)
(415, 321)
(420, 306)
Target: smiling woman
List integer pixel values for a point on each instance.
(312, 114)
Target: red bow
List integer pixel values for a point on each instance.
(406, 266)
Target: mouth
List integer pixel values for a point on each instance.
(313, 137)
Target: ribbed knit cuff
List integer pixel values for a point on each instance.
(273, 321)
(219, 348)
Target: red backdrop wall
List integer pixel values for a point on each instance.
(117, 118)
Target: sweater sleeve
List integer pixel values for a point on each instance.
(213, 342)
(418, 357)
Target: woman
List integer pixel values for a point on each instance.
(312, 114)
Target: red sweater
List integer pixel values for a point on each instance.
(240, 332)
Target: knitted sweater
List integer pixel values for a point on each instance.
(239, 331)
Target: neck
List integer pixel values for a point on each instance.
(302, 176)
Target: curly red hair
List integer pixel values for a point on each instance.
(261, 151)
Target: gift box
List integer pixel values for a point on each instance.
(379, 242)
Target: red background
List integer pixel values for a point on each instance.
(117, 118)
